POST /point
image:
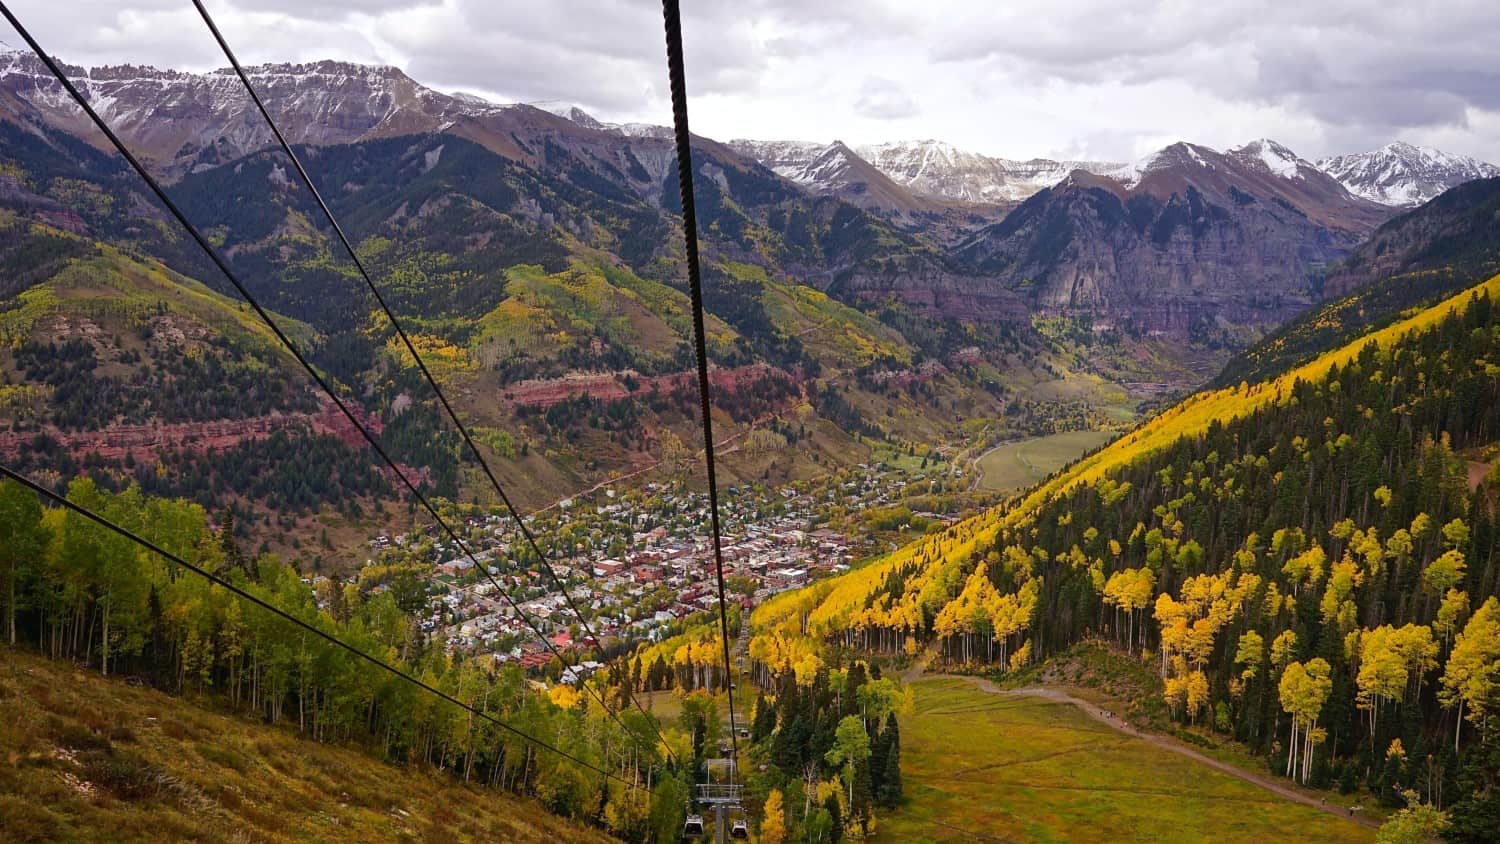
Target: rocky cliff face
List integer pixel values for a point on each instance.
(1186, 240)
(930, 287)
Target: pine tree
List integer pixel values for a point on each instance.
(836, 816)
(890, 792)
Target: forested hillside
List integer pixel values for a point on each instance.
(547, 295)
(1424, 255)
(76, 591)
(1309, 563)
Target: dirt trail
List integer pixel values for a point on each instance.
(1104, 716)
(1477, 473)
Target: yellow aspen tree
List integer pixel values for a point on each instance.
(1451, 613)
(1382, 674)
(1250, 653)
(1445, 572)
(1469, 678)
(773, 825)
(1282, 648)
(1197, 694)
(1303, 691)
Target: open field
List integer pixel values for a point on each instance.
(1016, 465)
(90, 759)
(990, 768)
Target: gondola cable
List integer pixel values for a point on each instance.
(672, 19)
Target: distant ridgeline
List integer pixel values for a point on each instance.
(1321, 545)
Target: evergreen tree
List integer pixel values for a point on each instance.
(890, 792)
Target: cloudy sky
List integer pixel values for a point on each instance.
(1103, 79)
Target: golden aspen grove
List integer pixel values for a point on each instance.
(1304, 563)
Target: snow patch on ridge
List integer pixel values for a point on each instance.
(1274, 157)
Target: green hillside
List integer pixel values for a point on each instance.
(115, 365)
(94, 759)
(163, 347)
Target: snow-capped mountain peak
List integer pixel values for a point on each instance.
(1404, 175)
(568, 111)
(930, 168)
(1274, 157)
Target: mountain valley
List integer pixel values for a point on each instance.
(1182, 472)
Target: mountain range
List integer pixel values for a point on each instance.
(896, 289)
(1399, 174)
(936, 232)
(339, 102)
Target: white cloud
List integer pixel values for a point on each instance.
(1103, 78)
(883, 99)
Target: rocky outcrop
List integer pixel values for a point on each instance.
(613, 386)
(141, 441)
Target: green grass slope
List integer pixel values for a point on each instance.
(1017, 465)
(981, 767)
(94, 759)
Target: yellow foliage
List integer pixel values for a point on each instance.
(565, 697)
(945, 573)
(442, 358)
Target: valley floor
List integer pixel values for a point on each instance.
(1015, 465)
(92, 759)
(1037, 767)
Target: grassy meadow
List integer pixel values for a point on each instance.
(982, 767)
(1017, 465)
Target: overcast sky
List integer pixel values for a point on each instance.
(1102, 79)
